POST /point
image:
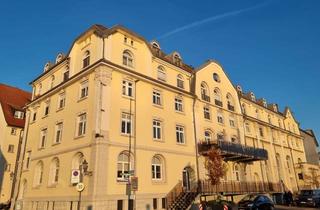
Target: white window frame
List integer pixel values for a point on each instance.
(43, 138)
(123, 164)
(46, 108)
(127, 88)
(127, 59)
(178, 104)
(180, 134)
(84, 89)
(161, 74)
(157, 129)
(81, 124)
(180, 81)
(18, 114)
(156, 169)
(207, 138)
(61, 100)
(157, 97)
(58, 133)
(220, 118)
(126, 123)
(206, 113)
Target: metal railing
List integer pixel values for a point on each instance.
(218, 103)
(205, 97)
(230, 107)
(229, 148)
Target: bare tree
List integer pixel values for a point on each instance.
(313, 177)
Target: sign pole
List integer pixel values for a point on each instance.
(79, 201)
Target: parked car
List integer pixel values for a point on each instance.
(219, 204)
(256, 202)
(308, 198)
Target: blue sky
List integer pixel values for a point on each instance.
(271, 47)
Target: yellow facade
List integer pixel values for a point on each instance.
(9, 137)
(111, 76)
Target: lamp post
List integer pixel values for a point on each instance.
(128, 190)
(83, 172)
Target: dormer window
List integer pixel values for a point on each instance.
(253, 97)
(46, 67)
(275, 108)
(264, 102)
(239, 88)
(86, 59)
(155, 45)
(176, 58)
(59, 57)
(18, 114)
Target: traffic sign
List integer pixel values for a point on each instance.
(80, 187)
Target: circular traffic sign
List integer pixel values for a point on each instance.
(80, 187)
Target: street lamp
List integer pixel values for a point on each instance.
(83, 172)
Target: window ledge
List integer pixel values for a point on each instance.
(180, 112)
(79, 137)
(207, 120)
(59, 109)
(159, 140)
(122, 181)
(54, 185)
(181, 144)
(158, 105)
(45, 116)
(158, 181)
(41, 148)
(56, 143)
(128, 97)
(36, 187)
(82, 99)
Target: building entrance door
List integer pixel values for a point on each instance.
(186, 179)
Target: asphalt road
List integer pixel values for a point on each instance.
(294, 208)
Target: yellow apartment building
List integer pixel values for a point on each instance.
(12, 117)
(116, 110)
(278, 133)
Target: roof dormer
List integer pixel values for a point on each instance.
(47, 66)
(155, 45)
(59, 57)
(252, 96)
(239, 89)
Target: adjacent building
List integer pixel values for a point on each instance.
(116, 107)
(12, 120)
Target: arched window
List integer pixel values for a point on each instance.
(216, 77)
(77, 161)
(230, 102)
(205, 92)
(123, 166)
(207, 136)
(180, 81)
(127, 58)
(86, 59)
(157, 168)
(38, 174)
(235, 140)
(288, 164)
(236, 172)
(161, 73)
(54, 171)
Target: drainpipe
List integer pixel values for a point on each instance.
(195, 127)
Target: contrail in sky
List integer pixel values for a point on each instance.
(213, 18)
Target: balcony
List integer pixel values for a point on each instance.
(205, 97)
(218, 103)
(230, 107)
(234, 152)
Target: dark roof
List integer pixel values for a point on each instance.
(311, 133)
(11, 99)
